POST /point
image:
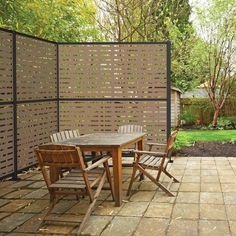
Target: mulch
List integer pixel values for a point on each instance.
(209, 149)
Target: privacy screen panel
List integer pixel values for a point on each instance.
(36, 69)
(105, 85)
(106, 116)
(113, 71)
(6, 106)
(35, 122)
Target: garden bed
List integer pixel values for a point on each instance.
(206, 149)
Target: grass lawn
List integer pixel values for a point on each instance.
(187, 138)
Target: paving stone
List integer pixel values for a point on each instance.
(227, 179)
(210, 187)
(224, 172)
(212, 212)
(163, 197)
(183, 228)
(189, 187)
(191, 179)
(133, 209)
(3, 202)
(64, 205)
(149, 186)
(106, 208)
(192, 172)
(185, 211)
(135, 186)
(215, 198)
(229, 198)
(121, 226)
(56, 229)
(81, 207)
(4, 184)
(228, 188)
(151, 227)
(213, 228)
(96, 224)
(14, 220)
(37, 194)
(15, 205)
(209, 179)
(209, 172)
(5, 191)
(19, 193)
(161, 210)
(188, 197)
(3, 215)
(232, 227)
(21, 183)
(142, 196)
(32, 225)
(36, 206)
(36, 177)
(37, 184)
(205, 166)
(20, 234)
(231, 212)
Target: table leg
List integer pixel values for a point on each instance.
(141, 144)
(141, 147)
(117, 175)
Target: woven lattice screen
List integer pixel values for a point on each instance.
(36, 70)
(101, 86)
(135, 75)
(6, 107)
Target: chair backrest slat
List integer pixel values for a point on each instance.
(64, 135)
(130, 129)
(171, 143)
(65, 156)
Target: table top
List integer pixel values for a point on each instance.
(103, 139)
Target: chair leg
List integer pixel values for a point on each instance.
(171, 176)
(91, 206)
(108, 174)
(132, 179)
(155, 181)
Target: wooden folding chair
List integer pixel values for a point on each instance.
(127, 129)
(68, 134)
(79, 181)
(156, 161)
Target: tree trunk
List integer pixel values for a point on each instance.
(215, 118)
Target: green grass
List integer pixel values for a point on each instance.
(187, 138)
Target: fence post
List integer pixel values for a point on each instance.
(14, 105)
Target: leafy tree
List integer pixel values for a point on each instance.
(217, 26)
(153, 20)
(57, 20)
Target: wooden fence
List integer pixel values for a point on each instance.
(203, 111)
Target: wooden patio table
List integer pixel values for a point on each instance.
(111, 142)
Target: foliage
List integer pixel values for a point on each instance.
(187, 138)
(188, 117)
(152, 20)
(56, 20)
(225, 122)
(217, 23)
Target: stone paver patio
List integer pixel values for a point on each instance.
(205, 204)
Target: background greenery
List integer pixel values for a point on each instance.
(197, 54)
(187, 138)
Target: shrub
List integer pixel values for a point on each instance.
(225, 122)
(188, 118)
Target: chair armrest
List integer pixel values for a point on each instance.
(159, 154)
(156, 144)
(97, 163)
